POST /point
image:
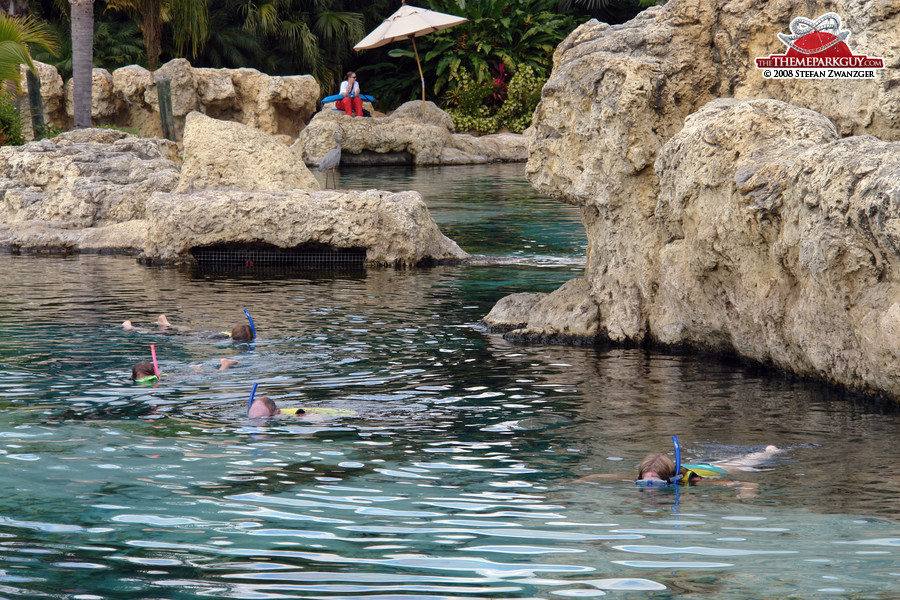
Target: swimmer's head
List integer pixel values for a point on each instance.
(656, 466)
(262, 406)
(142, 370)
(242, 333)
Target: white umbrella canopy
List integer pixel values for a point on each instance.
(408, 23)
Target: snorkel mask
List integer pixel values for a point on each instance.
(672, 480)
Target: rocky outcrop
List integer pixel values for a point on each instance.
(566, 315)
(780, 240)
(749, 227)
(431, 141)
(395, 229)
(224, 154)
(128, 98)
(84, 178)
(105, 190)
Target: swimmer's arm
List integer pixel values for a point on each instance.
(601, 477)
(128, 326)
(744, 489)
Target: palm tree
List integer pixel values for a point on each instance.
(189, 19)
(15, 8)
(314, 35)
(16, 34)
(82, 59)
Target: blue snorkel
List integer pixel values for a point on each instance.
(252, 393)
(677, 475)
(252, 327)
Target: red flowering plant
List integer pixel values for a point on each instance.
(499, 81)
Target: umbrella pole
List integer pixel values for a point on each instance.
(412, 38)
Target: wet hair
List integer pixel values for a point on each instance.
(659, 463)
(270, 405)
(242, 333)
(142, 369)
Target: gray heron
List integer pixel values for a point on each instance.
(331, 160)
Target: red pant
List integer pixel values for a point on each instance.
(349, 104)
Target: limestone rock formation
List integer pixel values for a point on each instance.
(105, 190)
(605, 137)
(103, 102)
(403, 132)
(128, 98)
(84, 178)
(568, 314)
(780, 240)
(396, 229)
(224, 154)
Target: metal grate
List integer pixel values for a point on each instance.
(249, 257)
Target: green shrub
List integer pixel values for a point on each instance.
(469, 109)
(48, 131)
(133, 132)
(10, 123)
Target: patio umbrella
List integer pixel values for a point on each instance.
(409, 22)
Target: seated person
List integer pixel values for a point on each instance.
(350, 103)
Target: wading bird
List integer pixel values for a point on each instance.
(331, 160)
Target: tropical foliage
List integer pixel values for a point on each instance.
(504, 49)
(17, 36)
(188, 20)
(514, 34)
(489, 105)
(309, 36)
(10, 123)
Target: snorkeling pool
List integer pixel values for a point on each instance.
(454, 477)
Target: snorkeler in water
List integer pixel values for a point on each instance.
(659, 467)
(143, 372)
(162, 326)
(659, 470)
(240, 333)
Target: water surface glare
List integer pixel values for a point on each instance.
(449, 472)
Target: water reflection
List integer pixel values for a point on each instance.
(454, 476)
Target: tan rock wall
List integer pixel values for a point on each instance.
(224, 154)
(128, 98)
(396, 229)
(706, 230)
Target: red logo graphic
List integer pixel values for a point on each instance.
(818, 50)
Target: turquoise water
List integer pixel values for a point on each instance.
(454, 479)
